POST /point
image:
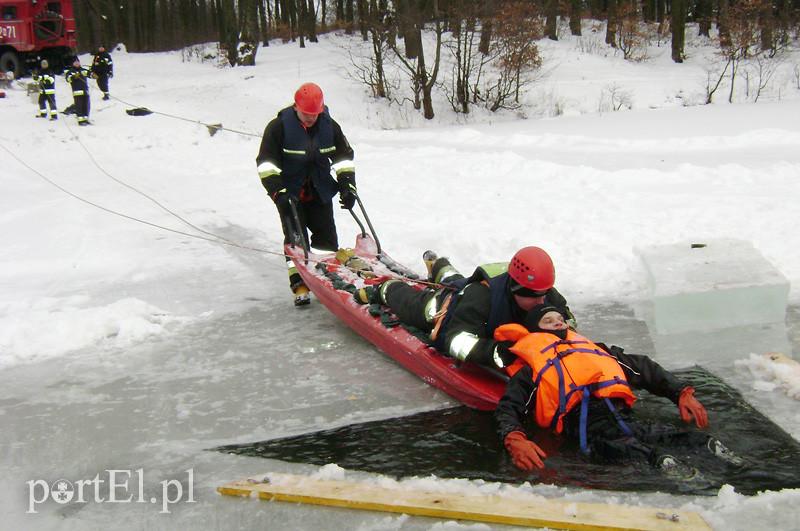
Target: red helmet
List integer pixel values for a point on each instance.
(532, 268)
(308, 99)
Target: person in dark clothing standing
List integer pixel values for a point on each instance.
(300, 151)
(103, 70)
(77, 79)
(47, 90)
(462, 316)
(569, 384)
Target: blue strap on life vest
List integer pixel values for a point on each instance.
(584, 419)
(622, 425)
(586, 391)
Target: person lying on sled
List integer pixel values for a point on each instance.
(462, 316)
(569, 384)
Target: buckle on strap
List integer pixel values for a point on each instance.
(438, 317)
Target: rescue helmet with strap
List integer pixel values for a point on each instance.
(308, 99)
(532, 269)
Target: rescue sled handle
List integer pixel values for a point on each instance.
(369, 224)
(297, 229)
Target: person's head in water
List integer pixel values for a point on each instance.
(532, 275)
(546, 318)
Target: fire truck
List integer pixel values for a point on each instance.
(31, 30)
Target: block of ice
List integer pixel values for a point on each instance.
(714, 284)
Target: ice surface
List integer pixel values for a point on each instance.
(714, 284)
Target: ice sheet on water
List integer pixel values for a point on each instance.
(711, 284)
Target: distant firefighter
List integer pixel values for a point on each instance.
(103, 70)
(77, 78)
(47, 90)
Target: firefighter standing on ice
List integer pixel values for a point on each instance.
(76, 77)
(299, 150)
(103, 70)
(47, 91)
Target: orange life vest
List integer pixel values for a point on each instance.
(565, 372)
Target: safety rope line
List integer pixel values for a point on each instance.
(133, 218)
(134, 189)
(216, 127)
(216, 240)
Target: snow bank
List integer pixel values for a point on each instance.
(48, 327)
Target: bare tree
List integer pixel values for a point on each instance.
(632, 34)
(517, 29)
(421, 78)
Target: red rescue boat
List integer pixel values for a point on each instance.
(466, 382)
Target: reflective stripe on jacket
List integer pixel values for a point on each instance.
(492, 275)
(76, 77)
(306, 155)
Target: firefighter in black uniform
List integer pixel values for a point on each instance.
(102, 70)
(77, 79)
(47, 90)
(462, 316)
(299, 150)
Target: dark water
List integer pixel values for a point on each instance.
(462, 443)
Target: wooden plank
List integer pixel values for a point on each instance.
(530, 511)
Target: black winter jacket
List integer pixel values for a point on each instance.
(271, 151)
(642, 373)
(471, 315)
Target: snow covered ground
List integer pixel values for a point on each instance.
(126, 346)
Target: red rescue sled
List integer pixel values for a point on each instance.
(468, 383)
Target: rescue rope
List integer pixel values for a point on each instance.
(210, 127)
(133, 218)
(215, 239)
(134, 189)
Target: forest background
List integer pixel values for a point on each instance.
(492, 43)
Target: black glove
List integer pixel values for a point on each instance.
(281, 198)
(503, 357)
(110, 75)
(347, 192)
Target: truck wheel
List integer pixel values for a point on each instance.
(9, 62)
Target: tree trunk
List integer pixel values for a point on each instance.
(575, 12)
(661, 11)
(264, 17)
(703, 16)
(551, 22)
(596, 9)
(611, 26)
(301, 22)
(228, 34)
(723, 23)
(349, 16)
(678, 28)
(248, 32)
(766, 23)
(487, 29)
(649, 11)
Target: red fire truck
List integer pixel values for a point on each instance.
(31, 30)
